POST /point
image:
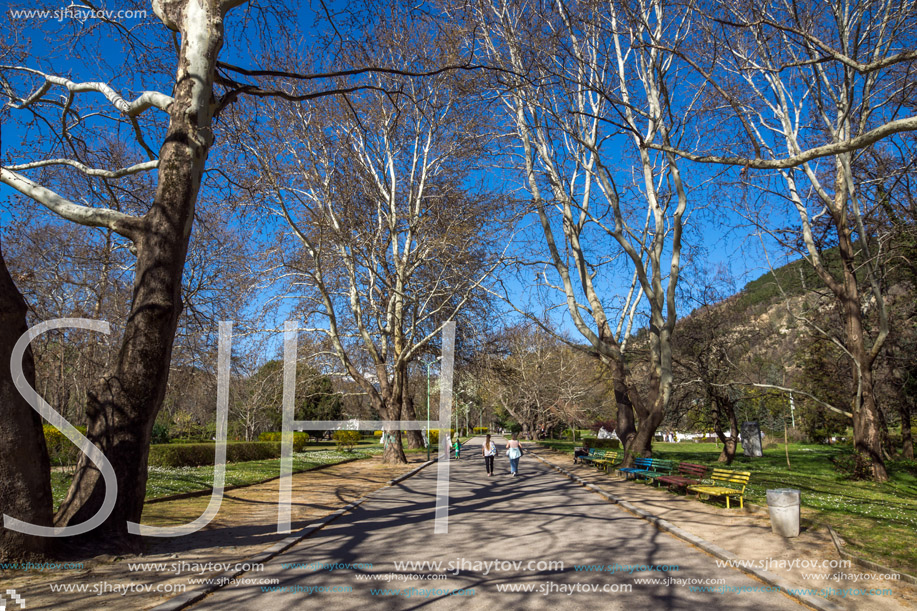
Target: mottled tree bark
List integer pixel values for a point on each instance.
(415, 439)
(25, 471)
(123, 404)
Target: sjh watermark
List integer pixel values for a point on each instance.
(289, 424)
(77, 12)
(13, 599)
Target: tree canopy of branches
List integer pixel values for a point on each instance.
(585, 88)
(389, 232)
(810, 91)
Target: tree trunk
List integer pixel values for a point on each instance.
(867, 425)
(625, 428)
(123, 404)
(907, 439)
(867, 431)
(867, 422)
(730, 443)
(25, 471)
(643, 441)
(415, 438)
(393, 453)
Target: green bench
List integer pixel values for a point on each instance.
(737, 481)
(589, 455)
(594, 455)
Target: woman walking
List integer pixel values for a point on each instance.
(489, 450)
(513, 452)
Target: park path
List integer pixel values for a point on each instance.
(538, 517)
(245, 526)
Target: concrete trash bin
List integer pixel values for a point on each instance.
(783, 507)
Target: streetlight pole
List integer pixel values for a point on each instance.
(430, 364)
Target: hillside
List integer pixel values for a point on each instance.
(775, 331)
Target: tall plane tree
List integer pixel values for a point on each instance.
(810, 89)
(389, 232)
(123, 403)
(585, 89)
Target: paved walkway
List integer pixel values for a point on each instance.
(748, 536)
(245, 526)
(539, 517)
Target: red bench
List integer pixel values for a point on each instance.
(688, 474)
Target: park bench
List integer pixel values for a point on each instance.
(594, 455)
(649, 468)
(688, 473)
(589, 456)
(737, 479)
(608, 459)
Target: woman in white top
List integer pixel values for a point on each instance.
(513, 453)
(489, 449)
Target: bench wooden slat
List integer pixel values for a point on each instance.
(594, 455)
(608, 459)
(688, 473)
(739, 478)
(649, 468)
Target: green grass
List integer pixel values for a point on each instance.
(877, 521)
(167, 481)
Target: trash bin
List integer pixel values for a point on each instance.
(783, 506)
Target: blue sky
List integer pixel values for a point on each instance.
(711, 233)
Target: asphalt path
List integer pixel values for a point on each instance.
(520, 525)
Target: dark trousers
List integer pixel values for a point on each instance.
(489, 463)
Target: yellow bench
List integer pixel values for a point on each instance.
(738, 478)
(608, 459)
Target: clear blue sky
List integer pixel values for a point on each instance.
(709, 236)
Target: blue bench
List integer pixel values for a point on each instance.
(649, 468)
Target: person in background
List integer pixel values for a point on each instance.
(489, 450)
(514, 453)
(580, 452)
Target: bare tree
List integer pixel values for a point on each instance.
(536, 378)
(792, 76)
(123, 404)
(588, 89)
(376, 189)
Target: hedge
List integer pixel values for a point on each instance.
(434, 435)
(201, 454)
(61, 450)
(300, 439)
(347, 439)
(607, 444)
(481, 430)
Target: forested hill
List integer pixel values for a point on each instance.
(785, 329)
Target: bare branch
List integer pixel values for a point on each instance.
(836, 148)
(119, 222)
(145, 101)
(119, 173)
(792, 391)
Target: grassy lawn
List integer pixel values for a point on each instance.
(166, 481)
(877, 521)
